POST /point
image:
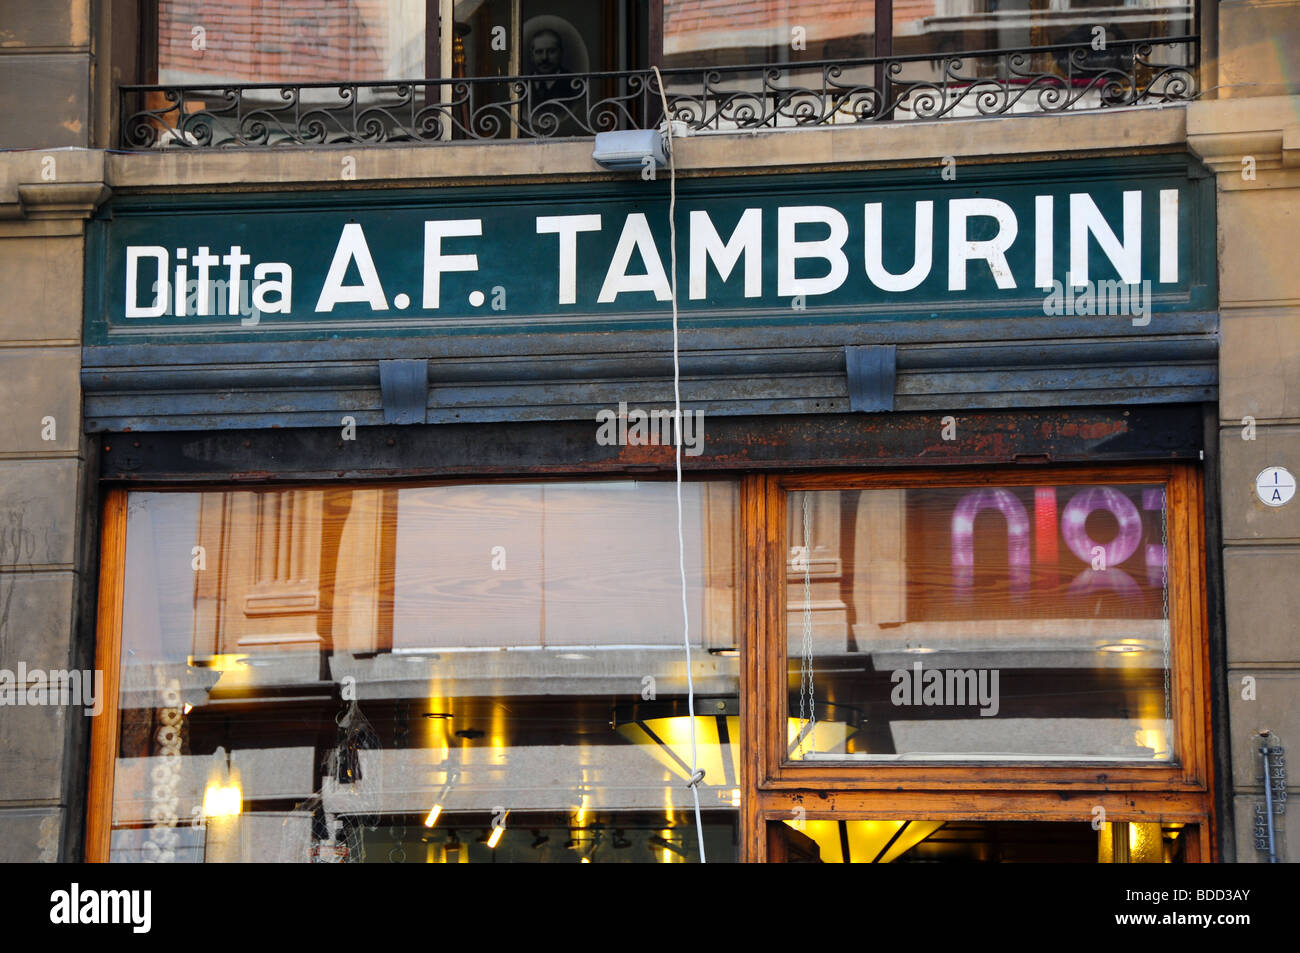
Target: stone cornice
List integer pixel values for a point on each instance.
(45, 184)
(1223, 132)
(61, 199)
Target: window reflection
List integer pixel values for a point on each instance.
(1096, 28)
(749, 32)
(426, 674)
(918, 841)
(251, 41)
(993, 623)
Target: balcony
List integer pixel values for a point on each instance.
(929, 86)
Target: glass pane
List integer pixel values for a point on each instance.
(981, 842)
(548, 38)
(698, 33)
(979, 623)
(1102, 69)
(265, 41)
(953, 26)
(557, 44)
(721, 50)
(427, 674)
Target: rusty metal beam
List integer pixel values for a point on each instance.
(730, 444)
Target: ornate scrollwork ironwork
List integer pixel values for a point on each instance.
(742, 98)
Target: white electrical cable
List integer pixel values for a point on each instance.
(696, 774)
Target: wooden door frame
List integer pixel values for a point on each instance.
(105, 726)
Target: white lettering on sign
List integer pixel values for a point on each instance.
(567, 227)
(204, 294)
(706, 245)
(352, 247)
(435, 262)
(162, 290)
(636, 237)
(962, 249)
(790, 250)
(1086, 219)
(921, 258)
(810, 244)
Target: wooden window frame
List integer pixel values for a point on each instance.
(773, 788)
(840, 806)
(1056, 790)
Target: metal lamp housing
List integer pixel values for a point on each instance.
(628, 150)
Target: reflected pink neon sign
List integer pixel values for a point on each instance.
(1073, 527)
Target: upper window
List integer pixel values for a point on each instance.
(262, 41)
(252, 41)
(750, 32)
(427, 70)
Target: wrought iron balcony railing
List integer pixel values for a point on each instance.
(738, 98)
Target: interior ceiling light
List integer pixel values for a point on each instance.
(222, 797)
(221, 662)
(664, 729)
(1123, 647)
(666, 844)
(436, 810)
(866, 842)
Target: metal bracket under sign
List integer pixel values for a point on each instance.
(404, 385)
(872, 370)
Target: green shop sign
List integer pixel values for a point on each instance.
(1104, 238)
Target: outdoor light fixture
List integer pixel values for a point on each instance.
(630, 150)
